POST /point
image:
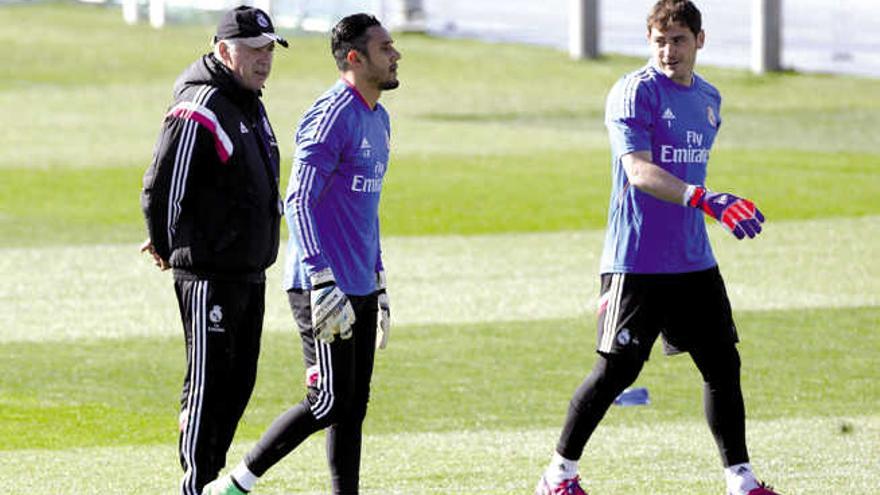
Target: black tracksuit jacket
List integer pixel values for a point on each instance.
(210, 196)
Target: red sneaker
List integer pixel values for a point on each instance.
(571, 486)
(763, 490)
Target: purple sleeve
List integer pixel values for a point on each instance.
(629, 117)
(318, 152)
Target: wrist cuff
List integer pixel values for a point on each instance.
(688, 193)
(322, 278)
(693, 196)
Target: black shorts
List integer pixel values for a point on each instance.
(690, 310)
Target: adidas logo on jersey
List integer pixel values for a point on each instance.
(668, 116)
(366, 148)
(243, 128)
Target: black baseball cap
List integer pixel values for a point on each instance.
(248, 25)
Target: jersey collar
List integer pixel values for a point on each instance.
(669, 82)
(356, 92)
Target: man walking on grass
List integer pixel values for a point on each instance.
(658, 272)
(334, 274)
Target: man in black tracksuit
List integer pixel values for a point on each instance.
(212, 210)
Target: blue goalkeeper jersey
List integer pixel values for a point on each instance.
(332, 201)
(647, 111)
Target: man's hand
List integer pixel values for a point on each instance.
(332, 313)
(383, 321)
(147, 246)
(738, 215)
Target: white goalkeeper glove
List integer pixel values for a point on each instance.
(383, 321)
(332, 313)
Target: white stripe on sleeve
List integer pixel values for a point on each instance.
(182, 159)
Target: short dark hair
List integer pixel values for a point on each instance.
(350, 33)
(668, 12)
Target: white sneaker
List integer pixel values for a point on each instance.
(223, 485)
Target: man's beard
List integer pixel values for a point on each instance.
(382, 85)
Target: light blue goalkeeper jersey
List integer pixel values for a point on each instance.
(647, 111)
(332, 201)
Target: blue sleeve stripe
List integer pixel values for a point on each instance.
(302, 210)
(330, 115)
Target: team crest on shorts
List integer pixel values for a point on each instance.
(623, 337)
(710, 115)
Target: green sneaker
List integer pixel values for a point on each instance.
(223, 485)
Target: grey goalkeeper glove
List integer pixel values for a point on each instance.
(332, 313)
(383, 321)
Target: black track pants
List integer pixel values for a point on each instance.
(222, 323)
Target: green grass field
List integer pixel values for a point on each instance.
(493, 212)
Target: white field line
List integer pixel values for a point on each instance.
(111, 291)
(806, 456)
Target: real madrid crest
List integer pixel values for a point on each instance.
(216, 314)
(262, 21)
(710, 115)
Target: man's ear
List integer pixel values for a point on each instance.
(353, 57)
(223, 51)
